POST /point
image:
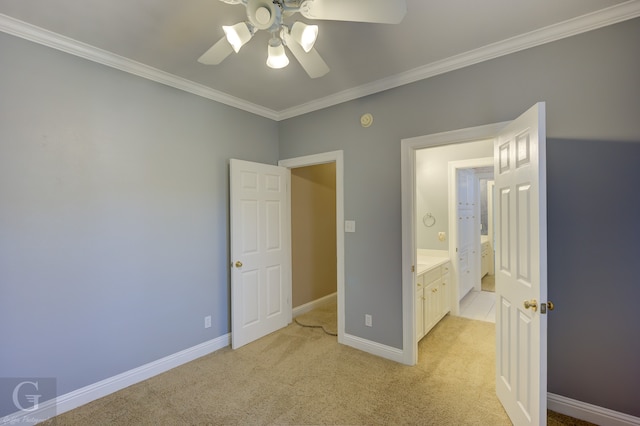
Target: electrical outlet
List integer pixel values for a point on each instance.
(349, 226)
(368, 320)
(207, 321)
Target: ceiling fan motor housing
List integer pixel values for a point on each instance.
(264, 14)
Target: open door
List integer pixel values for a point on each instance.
(260, 250)
(521, 267)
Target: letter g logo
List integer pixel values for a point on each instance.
(31, 398)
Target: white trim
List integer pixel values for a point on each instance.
(57, 41)
(338, 158)
(591, 21)
(374, 348)
(589, 412)
(408, 189)
(89, 393)
(303, 309)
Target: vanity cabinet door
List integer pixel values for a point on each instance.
(431, 305)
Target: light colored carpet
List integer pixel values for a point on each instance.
(324, 317)
(303, 376)
(488, 283)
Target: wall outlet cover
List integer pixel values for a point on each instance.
(368, 320)
(349, 226)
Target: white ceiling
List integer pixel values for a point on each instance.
(162, 40)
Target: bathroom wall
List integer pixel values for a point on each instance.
(432, 190)
(313, 232)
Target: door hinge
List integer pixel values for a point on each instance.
(413, 268)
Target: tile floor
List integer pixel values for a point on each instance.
(479, 305)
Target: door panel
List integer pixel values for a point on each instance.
(521, 339)
(260, 250)
(466, 230)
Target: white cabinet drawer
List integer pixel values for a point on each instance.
(431, 276)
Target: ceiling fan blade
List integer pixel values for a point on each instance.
(312, 62)
(217, 53)
(376, 11)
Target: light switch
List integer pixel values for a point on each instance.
(349, 226)
(442, 236)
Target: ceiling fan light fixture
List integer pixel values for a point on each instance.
(276, 58)
(305, 35)
(238, 35)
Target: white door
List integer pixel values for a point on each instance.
(521, 267)
(465, 217)
(260, 250)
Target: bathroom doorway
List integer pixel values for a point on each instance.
(444, 174)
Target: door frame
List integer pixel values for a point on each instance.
(408, 193)
(323, 158)
(453, 168)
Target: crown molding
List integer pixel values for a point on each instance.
(57, 41)
(602, 18)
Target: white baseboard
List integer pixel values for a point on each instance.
(113, 384)
(591, 413)
(374, 348)
(303, 309)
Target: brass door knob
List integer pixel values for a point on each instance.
(531, 304)
(238, 264)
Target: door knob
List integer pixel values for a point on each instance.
(238, 264)
(533, 304)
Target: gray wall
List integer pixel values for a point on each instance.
(113, 215)
(594, 233)
(591, 84)
(432, 187)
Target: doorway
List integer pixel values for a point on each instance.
(410, 147)
(335, 157)
(313, 238)
(520, 182)
(470, 247)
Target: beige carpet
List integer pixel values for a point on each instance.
(488, 283)
(302, 376)
(324, 317)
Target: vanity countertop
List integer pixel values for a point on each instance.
(429, 259)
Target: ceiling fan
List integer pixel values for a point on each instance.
(299, 37)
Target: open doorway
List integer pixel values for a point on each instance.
(313, 243)
(449, 226)
(335, 158)
(412, 216)
(471, 244)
